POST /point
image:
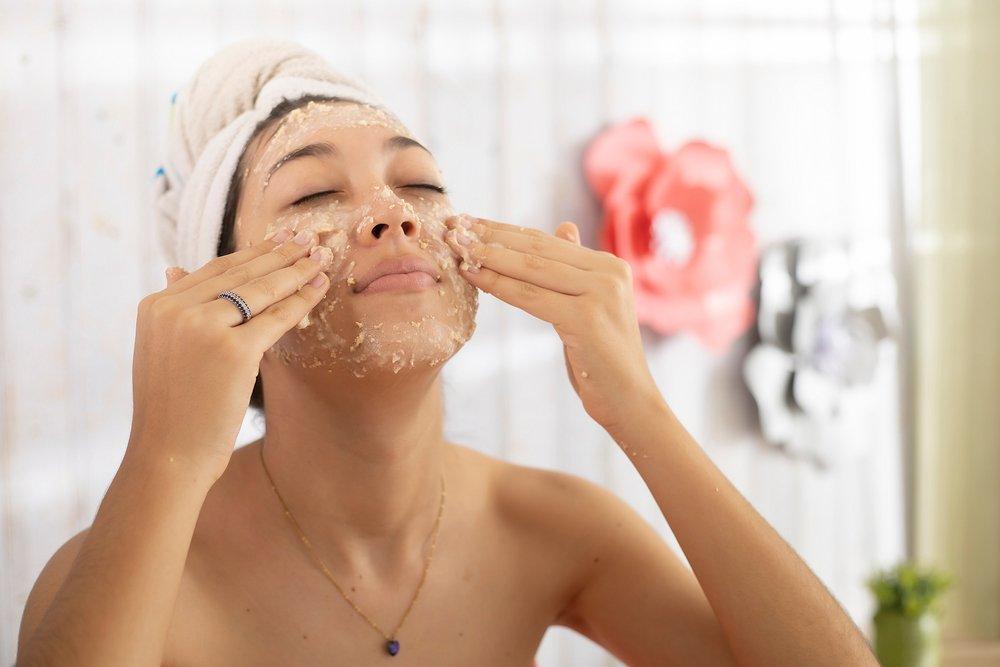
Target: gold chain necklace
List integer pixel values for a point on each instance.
(391, 643)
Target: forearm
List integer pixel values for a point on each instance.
(115, 605)
(772, 609)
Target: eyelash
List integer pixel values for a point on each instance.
(428, 186)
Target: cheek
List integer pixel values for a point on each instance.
(431, 213)
(459, 293)
(332, 223)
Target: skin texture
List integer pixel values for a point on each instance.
(191, 560)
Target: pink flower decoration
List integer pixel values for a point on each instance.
(681, 222)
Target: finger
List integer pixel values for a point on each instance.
(262, 292)
(173, 274)
(223, 263)
(537, 242)
(543, 303)
(280, 256)
(528, 267)
(472, 222)
(265, 328)
(569, 231)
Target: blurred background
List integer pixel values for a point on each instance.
(857, 410)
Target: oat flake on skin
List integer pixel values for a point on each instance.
(339, 331)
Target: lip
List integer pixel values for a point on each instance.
(404, 271)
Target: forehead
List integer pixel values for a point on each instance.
(326, 119)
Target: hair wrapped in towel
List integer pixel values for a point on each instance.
(211, 122)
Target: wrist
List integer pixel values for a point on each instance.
(157, 465)
(645, 411)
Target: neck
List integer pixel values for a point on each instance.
(358, 461)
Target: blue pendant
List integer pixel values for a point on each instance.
(392, 646)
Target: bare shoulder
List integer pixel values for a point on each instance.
(563, 520)
(571, 509)
(625, 588)
(513, 480)
(598, 542)
(49, 580)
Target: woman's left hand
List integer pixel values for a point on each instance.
(585, 294)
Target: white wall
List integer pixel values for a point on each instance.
(506, 93)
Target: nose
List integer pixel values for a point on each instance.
(390, 217)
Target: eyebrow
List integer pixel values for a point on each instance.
(323, 148)
(315, 150)
(399, 142)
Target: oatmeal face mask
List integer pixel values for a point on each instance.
(364, 332)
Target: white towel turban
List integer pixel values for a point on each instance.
(211, 121)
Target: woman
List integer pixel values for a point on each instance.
(352, 531)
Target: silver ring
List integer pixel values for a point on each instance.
(237, 301)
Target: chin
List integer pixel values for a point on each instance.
(390, 332)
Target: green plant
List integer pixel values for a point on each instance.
(908, 589)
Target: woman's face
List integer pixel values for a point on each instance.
(370, 192)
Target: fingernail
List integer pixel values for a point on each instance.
(321, 254)
(304, 237)
(458, 237)
(318, 279)
(281, 235)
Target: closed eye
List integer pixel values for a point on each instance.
(315, 195)
(428, 186)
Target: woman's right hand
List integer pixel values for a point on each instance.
(195, 362)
